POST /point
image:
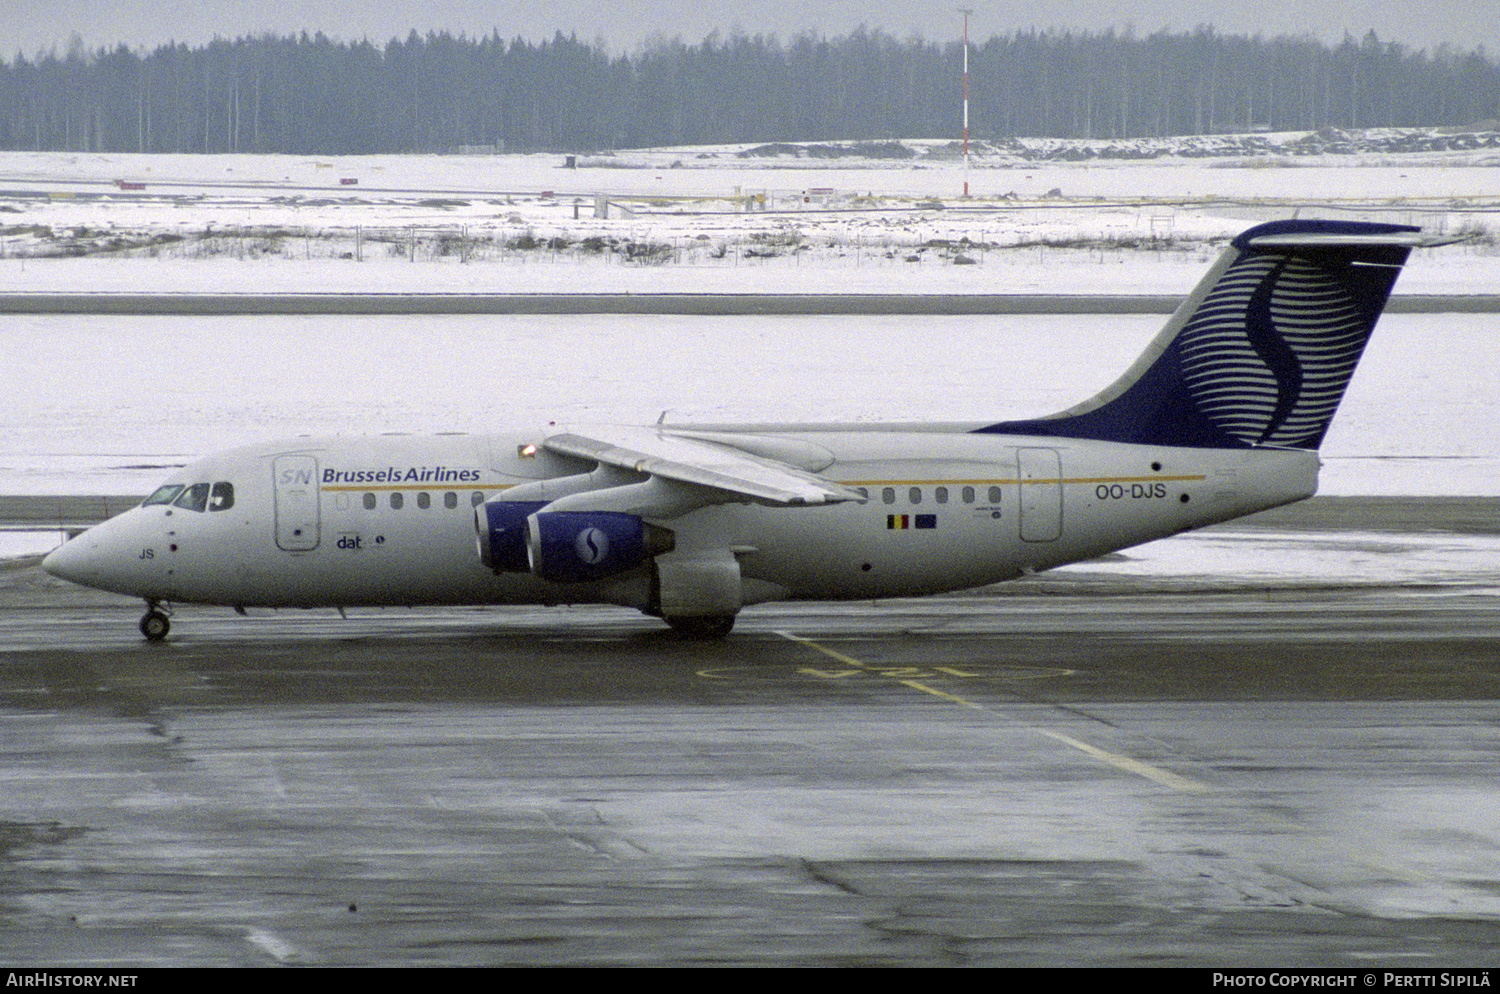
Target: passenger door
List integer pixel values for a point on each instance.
(295, 483)
(1040, 475)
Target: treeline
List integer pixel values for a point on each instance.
(310, 94)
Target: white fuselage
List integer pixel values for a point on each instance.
(389, 520)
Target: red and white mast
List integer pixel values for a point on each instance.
(966, 12)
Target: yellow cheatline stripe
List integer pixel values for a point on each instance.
(1140, 768)
(1125, 479)
(925, 483)
(470, 485)
(1154, 478)
(429, 486)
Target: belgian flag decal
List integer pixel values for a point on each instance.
(900, 522)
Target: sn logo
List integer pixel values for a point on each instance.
(592, 545)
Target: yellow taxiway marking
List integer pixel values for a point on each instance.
(888, 673)
(1138, 767)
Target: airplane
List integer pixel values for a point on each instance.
(1220, 417)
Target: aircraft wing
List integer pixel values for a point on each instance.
(704, 464)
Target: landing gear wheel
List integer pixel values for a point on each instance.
(703, 626)
(155, 625)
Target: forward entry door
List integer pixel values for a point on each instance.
(295, 482)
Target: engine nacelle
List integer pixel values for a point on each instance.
(578, 546)
(501, 529)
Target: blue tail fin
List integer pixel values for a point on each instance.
(1260, 352)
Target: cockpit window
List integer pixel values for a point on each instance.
(163, 495)
(222, 498)
(194, 497)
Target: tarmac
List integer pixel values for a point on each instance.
(1041, 773)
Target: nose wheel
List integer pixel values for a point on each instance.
(155, 624)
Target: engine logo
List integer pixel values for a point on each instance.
(592, 545)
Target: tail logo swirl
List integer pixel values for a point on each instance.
(1267, 355)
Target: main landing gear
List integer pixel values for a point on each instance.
(704, 626)
(154, 623)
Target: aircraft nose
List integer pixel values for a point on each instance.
(112, 556)
(71, 561)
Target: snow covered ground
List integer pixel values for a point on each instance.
(1432, 563)
(103, 405)
(1048, 216)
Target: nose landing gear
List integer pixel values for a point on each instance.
(154, 623)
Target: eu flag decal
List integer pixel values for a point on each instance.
(927, 521)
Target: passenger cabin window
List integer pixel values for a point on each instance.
(369, 502)
(424, 500)
(476, 498)
(450, 500)
(397, 500)
(915, 495)
(994, 495)
(941, 495)
(888, 495)
(968, 495)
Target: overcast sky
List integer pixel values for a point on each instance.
(28, 27)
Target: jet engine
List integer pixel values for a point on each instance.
(576, 546)
(501, 528)
(564, 546)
